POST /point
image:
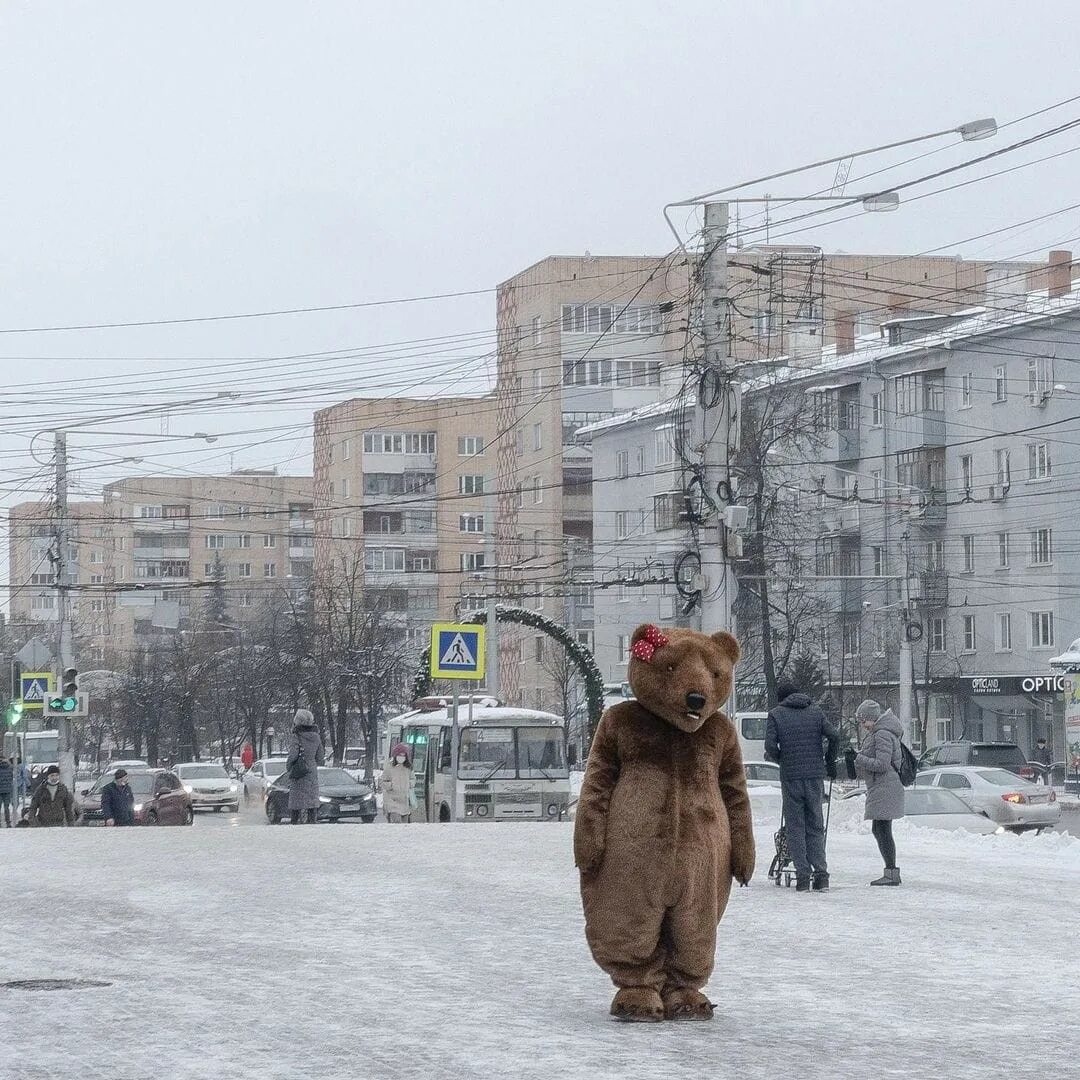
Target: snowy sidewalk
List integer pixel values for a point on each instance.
(456, 951)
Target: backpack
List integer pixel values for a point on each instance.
(299, 768)
(909, 766)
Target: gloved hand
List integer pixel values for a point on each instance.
(830, 769)
(849, 761)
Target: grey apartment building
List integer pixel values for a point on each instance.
(944, 460)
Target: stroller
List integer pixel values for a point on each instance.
(782, 869)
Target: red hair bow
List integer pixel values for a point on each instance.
(644, 647)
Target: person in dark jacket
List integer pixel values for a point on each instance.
(878, 765)
(796, 734)
(118, 800)
(304, 790)
(7, 788)
(1042, 756)
(52, 804)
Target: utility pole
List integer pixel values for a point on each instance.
(62, 651)
(907, 670)
(715, 419)
(491, 661)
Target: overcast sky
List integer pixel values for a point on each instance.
(168, 160)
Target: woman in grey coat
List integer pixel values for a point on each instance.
(304, 792)
(878, 764)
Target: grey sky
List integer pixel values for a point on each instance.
(174, 160)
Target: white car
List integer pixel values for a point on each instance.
(209, 785)
(1069, 659)
(260, 776)
(762, 774)
(938, 808)
(999, 794)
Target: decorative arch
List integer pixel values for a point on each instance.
(581, 657)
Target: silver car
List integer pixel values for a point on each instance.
(260, 776)
(999, 794)
(209, 786)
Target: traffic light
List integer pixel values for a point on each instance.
(14, 713)
(67, 701)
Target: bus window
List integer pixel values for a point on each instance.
(445, 751)
(541, 753)
(417, 742)
(487, 752)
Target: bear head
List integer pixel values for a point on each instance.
(680, 675)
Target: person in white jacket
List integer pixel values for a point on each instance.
(399, 797)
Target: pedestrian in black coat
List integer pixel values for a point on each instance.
(118, 800)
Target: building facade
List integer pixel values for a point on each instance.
(934, 480)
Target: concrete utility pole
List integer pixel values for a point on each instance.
(907, 670)
(491, 661)
(714, 418)
(62, 649)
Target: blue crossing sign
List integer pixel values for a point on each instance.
(457, 651)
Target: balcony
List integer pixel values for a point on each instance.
(841, 445)
(851, 596)
(928, 509)
(916, 430)
(152, 524)
(841, 520)
(301, 552)
(576, 507)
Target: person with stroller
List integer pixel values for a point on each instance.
(1042, 757)
(802, 741)
(877, 764)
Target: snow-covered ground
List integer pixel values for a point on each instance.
(456, 951)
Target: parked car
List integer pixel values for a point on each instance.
(126, 763)
(982, 754)
(340, 796)
(260, 776)
(209, 786)
(940, 808)
(762, 774)
(160, 798)
(999, 794)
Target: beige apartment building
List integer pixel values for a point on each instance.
(585, 338)
(404, 495)
(141, 556)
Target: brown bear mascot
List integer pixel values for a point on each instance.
(663, 825)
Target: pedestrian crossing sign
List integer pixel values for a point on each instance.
(457, 651)
(36, 686)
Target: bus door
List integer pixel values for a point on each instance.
(416, 739)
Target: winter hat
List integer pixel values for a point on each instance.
(53, 770)
(403, 750)
(785, 688)
(303, 718)
(120, 774)
(868, 710)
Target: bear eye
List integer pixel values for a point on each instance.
(671, 667)
(716, 674)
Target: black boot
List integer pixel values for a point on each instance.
(802, 883)
(821, 881)
(890, 877)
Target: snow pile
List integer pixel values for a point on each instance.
(338, 952)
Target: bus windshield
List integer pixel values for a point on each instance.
(505, 753)
(40, 749)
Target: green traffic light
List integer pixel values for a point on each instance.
(14, 713)
(70, 704)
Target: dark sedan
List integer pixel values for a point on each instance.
(340, 797)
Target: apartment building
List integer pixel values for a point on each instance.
(407, 486)
(584, 339)
(944, 454)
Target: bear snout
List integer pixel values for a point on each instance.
(695, 702)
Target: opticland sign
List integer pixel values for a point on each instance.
(1016, 684)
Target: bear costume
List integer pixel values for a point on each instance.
(663, 825)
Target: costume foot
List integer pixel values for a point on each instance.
(687, 1004)
(637, 1003)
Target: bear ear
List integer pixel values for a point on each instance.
(728, 646)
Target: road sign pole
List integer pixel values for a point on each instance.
(455, 752)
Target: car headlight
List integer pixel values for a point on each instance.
(999, 830)
(324, 799)
(137, 807)
(234, 787)
(188, 788)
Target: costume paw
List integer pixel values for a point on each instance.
(637, 1003)
(687, 1004)
(742, 866)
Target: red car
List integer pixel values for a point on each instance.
(160, 798)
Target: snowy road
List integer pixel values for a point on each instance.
(456, 951)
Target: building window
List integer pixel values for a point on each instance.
(346, 449)
(965, 390)
(852, 639)
(344, 487)
(538, 437)
(537, 538)
(665, 511)
(1002, 468)
(537, 490)
(470, 445)
(1042, 547)
(637, 373)
(208, 569)
(243, 570)
(472, 560)
(665, 446)
(245, 599)
(97, 605)
(471, 523)
(1003, 550)
(270, 570)
(875, 409)
(622, 645)
(214, 512)
(880, 565)
(537, 331)
(269, 540)
(969, 554)
(966, 473)
(969, 633)
(935, 555)
(608, 318)
(1040, 379)
(387, 560)
(622, 464)
(640, 461)
(421, 564)
(1039, 467)
(244, 540)
(933, 383)
(1042, 629)
(96, 557)
(1001, 384)
(877, 484)
(937, 634)
(471, 485)
(1003, 623)
(622, 524)
(538, 648)
(215, 540)
(519, 496)
(881, 637)
(907, 394)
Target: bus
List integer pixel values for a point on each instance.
(511, 763)
(39, 750)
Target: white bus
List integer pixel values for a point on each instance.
(40, 749)
(511, 763)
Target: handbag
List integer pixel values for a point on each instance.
(299, 768)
